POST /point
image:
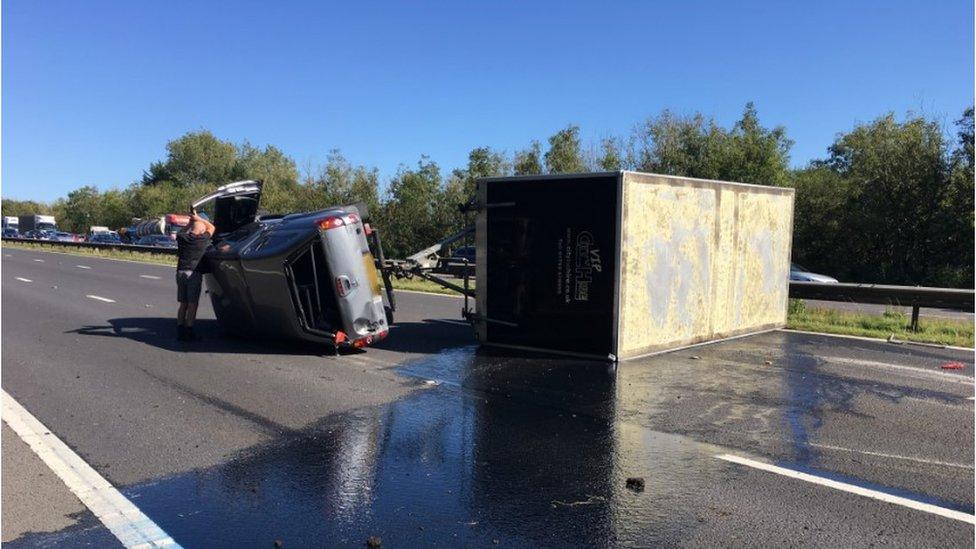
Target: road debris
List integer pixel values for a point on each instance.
(588, 501)
(695, 357)
(953, 366)
(636, 484)
(373, 542)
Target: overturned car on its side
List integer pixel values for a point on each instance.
(310, 276)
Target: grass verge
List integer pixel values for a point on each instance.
(831, 321)
(421, 285)
(142, 257)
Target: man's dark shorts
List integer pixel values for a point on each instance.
(188, 286)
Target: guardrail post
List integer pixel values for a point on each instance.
(915, 318)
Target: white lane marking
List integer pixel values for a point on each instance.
(23, 279)
(117, 513)
(448, 321)
(919, 372)
(7, 255)
(39, 260)
(83, 266)
(150, 277)
(871, 339)
(100, 298)
(852, 489)
(893, 456)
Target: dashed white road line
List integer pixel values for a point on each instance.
(83, 266)
(117, 513)
(39, 260)
(100, 298)
(150, 277)
(23, 279)
(851, 489)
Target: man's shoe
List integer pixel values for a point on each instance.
(190, 335)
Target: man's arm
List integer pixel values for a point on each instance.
(194, 217)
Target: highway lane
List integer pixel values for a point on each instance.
(504, 437)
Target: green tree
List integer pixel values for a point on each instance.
(82, 209)
(610, 159)
(565, 154)
(339, 182)
(751, 153)
(460, 187)
(276, 170)
(24, 207)
(413, 212)
(528, 161)
(694, 146)
(820, 220)
(903, 211)
(196, 157)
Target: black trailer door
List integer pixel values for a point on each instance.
(551, 263)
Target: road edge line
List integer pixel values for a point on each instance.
(126, 522)
(877, 339)
(851, 488)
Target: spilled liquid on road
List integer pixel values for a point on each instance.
(524, 451)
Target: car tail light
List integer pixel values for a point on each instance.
(362, 342)
(340, 337)
(330, 223)
(353, 219)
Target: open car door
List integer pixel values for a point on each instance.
(235, 205)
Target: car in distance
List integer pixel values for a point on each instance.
(799, 273)
(105, 238)
(460, 262)
(62, 236)
(11, 233)
(306, 276)
(39, 234)
(157, 241)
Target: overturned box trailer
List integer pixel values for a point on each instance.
(620, 265)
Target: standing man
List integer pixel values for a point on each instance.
(191, 242)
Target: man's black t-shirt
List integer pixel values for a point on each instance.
(190, 250)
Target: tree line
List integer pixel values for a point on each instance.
(891, 201)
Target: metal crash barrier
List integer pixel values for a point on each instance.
(915, 297)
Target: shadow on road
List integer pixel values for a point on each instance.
(161, 332)
(408, 337)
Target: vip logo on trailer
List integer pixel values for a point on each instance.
(587, 262)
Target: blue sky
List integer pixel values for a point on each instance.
(92, 91)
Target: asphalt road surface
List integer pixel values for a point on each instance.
(775, 439)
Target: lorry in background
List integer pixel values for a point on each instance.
(35, 222)
(10, 226)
